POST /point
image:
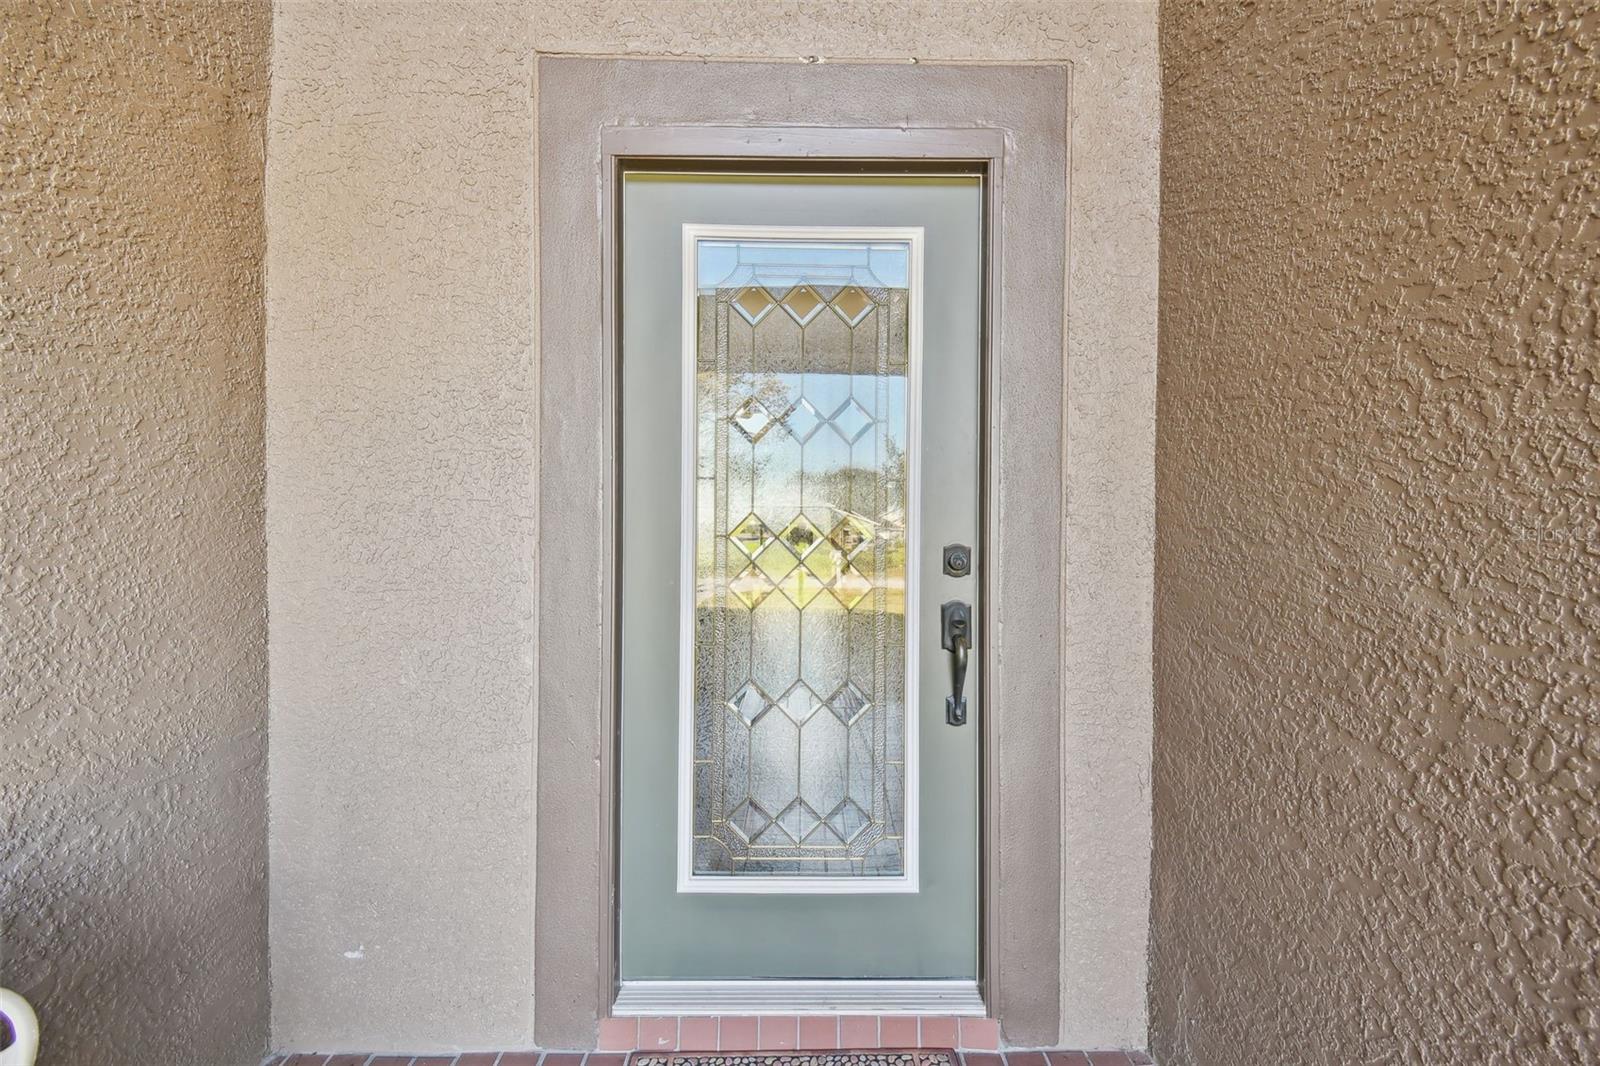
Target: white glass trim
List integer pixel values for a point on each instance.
(688, 881)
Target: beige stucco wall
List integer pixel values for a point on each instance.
(132, 587)
(402, 476)
(1378, 569)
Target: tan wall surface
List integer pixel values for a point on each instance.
(132, 589)
(401, 483)
(401, 524)
(1378, 568)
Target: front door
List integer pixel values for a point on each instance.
(800, 395)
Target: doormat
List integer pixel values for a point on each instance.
(902, 1057)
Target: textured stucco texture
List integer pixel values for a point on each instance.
(132, 547)
(1377, 751)
(402, 474)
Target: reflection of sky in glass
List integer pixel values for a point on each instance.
(781, 264)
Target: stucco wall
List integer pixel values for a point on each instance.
(403, 386)
(132, 588)
(1378, 566)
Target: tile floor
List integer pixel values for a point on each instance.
(791, 1033)
(977, 1039)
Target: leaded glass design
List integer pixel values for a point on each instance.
(799, 644)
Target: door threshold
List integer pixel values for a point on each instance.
(650, 999)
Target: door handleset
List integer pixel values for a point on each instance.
(955, 635)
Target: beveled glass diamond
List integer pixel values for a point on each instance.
(802, 303)
(749, 702)
(751, 587)
(752, 419)
(852, 305)
(801, 586)
(850, 534)
(753, 304)
(848, 820)
(750, 536)
(800, 703)
(801, 536)
(748, 820)
(848, 703)
(851, 420)
(803, 420)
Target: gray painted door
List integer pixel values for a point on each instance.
(799, 440)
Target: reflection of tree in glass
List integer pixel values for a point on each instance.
(769, 389)
(800, 538)
(844, 485)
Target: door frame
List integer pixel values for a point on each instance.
(585, 142)
(828, 152)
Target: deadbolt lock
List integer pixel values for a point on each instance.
(957, 560)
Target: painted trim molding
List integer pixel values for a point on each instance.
(654, 999)
(592, 115)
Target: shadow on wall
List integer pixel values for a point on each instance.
(132, 609)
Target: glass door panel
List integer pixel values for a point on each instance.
(805, 363)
